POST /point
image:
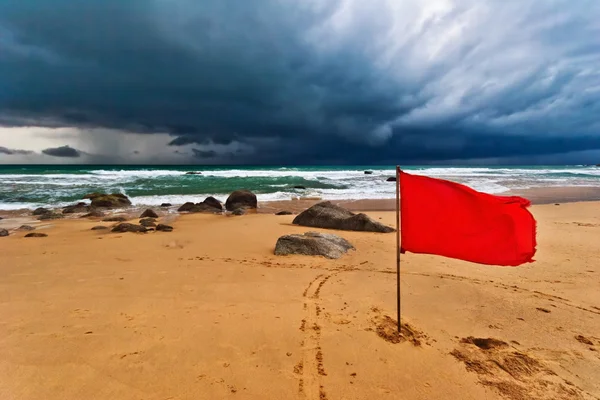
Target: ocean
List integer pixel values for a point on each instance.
(28, 187)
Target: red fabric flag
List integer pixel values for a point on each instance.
(449, 219)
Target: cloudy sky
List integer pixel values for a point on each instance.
(300, 82)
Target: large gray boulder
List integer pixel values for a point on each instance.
(313, 244)
(241, 199)
(329, 216)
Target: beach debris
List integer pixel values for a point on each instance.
(41, 211)
(241, 199)
(164, 228)
(284, 212)
(193, 173)
(391, 179)
(94, 214)
(3, 233)
(313, 244)
(76, 208)
(149, 213)
(114, 219)
(99, 228)
(26, 228)
(36, 235)
(49, 216)
(238, 211)
(330, 216)
(125, 227)
(166, 205)
(148, 222)
(114, 200)
(211, 201)
(368, 172)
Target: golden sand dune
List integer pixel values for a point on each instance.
(208, 312)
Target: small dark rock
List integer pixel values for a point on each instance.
(99, 228)
(125, 227)
(391, 179)
(94, 214)
(49, 216)
(26, 228)
(193, 173)
(299, 187)
(3, 233)
(149, 213)
(148, 222)
(211, 201)
(238, 211)
(114, 219)
(284, 213)
(76, 208)
(368, 172)
(41, 211)
(36, 235)
(164, 228)
(186, 207)
(166, 205)
(241, 199)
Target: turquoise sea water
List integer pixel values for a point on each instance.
(34, 186)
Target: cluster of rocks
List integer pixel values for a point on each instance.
(326, 215)
(236, 203)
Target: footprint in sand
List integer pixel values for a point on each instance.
(514, 374)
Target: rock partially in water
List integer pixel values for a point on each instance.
(241, 199)
(36, 235)
(164, 228)
(391, 179)
(149, 213)
(186, 207)
(3, 233)
(212, 202)
(76, 208)
(368, 172)
(329, 216)
(313, 244)
(26, 228)
(299, 187)
(193, 173)
(114, 200)
(166, 205)
(238, 211)
(41, 211)
(125, 227)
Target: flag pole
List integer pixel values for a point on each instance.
(398, 245)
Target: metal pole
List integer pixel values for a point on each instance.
(398, 245)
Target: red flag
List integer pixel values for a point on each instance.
(449, 219)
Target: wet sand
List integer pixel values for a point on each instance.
(208, 312)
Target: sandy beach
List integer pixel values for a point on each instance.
(209, 312)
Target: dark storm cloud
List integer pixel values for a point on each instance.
(10, 152)
(63, 151)
(334, 81)
(204, 154)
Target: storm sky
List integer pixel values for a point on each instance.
(300, 82)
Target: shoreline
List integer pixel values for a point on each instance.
(567, 194)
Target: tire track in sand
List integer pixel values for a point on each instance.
(310, 368)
